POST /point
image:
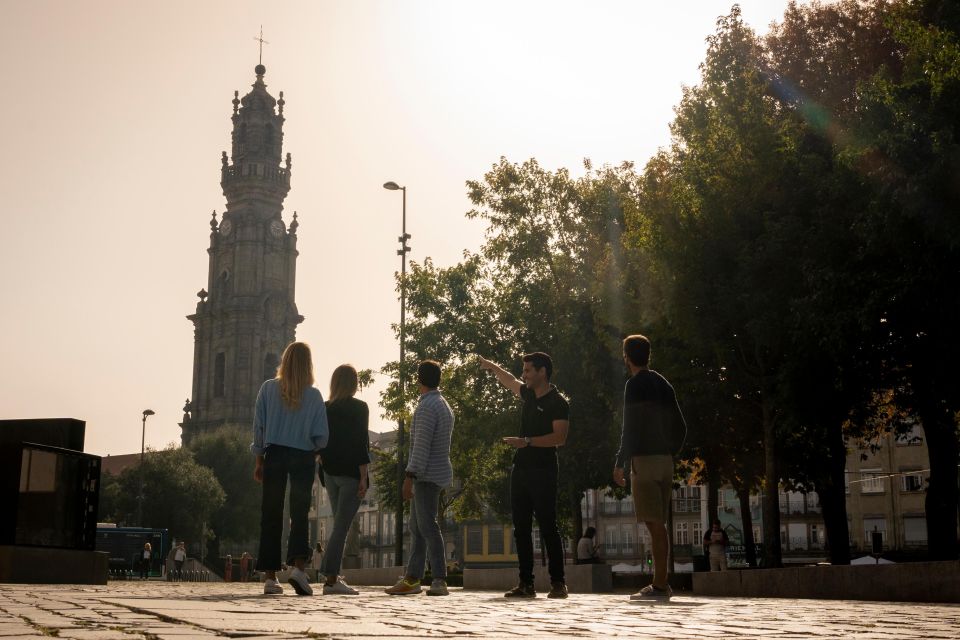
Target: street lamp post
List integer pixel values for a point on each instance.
(402, 252)
(143, 439)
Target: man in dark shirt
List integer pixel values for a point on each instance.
(533, 480)
(653, 432)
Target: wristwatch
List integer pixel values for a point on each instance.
(528, 441)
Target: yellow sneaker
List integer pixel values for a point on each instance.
(404, 587)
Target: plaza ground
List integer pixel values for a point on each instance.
(154, 610)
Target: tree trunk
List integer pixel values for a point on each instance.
(746, 523)
(577, 514)
(713, 503)
(942, 493)
(713, 488)
(772, 555)
(833, 499)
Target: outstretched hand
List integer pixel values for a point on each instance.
(484, 363)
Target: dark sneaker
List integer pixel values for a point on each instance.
(557, 590)
(653, 593)
(522, 590)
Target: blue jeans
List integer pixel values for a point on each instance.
(344, 504)
(279, 463)
(425, 536)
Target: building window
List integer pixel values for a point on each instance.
(871, 524)
(643, 534)
(912, 481)
(871, 481)
(610, 540)
(219, 368)
(915, 531)
(474, 539)
(687, 499)
(816, 536)
(495, 540)
(757, 534)
(536, 538)
(697, 534)
(627, 539)
(682, 535)
(609, 504)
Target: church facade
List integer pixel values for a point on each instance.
(247, 313)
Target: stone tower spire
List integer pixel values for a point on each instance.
(247, 314)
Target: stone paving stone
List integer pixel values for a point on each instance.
(204, 611)
(97, 634)
(8, 630)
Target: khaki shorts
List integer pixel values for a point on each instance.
(651, 480)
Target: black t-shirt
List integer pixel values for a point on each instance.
(349, 443)
(537, 419)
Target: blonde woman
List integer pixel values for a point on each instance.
(145, 561)
(289, 426)
(344, 469)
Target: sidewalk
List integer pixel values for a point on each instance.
(182, 611)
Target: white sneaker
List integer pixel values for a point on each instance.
(271, 587)
(300, 582)
(339, 588)
(438, 588)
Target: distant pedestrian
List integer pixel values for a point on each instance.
(716, 541)
(587, 549)
(544, 423)
(145, 558)
(244, 567)
(228, 568)
(428, 472)
(653, 432)
(343, 470)
(289, 426)
(179, 557)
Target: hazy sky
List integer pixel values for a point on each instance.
(114, 115)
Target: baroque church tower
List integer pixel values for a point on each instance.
(247, 314)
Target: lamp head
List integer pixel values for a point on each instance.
(392, 186)
(148, 412)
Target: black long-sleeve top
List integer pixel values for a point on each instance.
(349, 444)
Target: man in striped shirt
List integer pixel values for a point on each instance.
(428, 472)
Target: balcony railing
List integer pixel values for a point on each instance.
(686, 505)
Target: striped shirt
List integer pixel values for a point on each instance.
(430, 437)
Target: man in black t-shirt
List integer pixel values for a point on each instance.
(653, 433)
(544, 423)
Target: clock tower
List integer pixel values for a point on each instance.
(246, 315)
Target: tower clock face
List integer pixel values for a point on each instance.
(276, 228)
(226, 227)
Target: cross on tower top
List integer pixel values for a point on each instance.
(262, 42)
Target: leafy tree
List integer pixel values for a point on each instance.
(226, 452)
(909, 152)
(178, 494)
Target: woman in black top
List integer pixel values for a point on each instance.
(343, 469)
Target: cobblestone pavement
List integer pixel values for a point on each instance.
(183, 611)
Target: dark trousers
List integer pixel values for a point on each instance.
(534, 492)
(278, 463)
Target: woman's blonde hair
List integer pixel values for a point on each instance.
(295, 373)
(344, 382)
